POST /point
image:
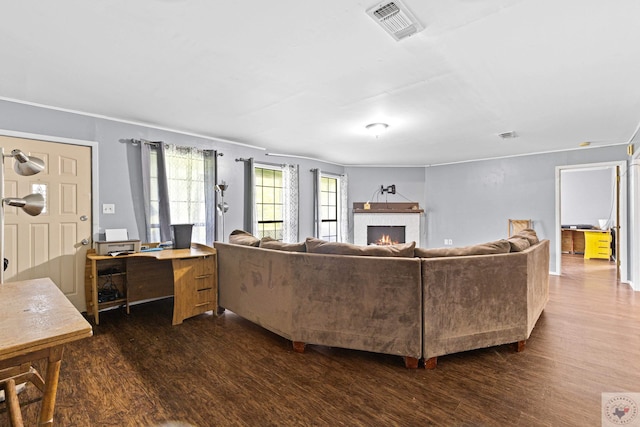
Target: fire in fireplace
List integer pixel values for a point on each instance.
(382, 235)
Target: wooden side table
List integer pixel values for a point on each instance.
(36, 320)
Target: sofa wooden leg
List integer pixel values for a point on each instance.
(298, 346)
(410, 362)
(431, 363)
(520, 345)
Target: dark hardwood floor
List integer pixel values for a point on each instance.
(138, 370)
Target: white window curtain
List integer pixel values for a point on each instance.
(291, 202)
(343, 209)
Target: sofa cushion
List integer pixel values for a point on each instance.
(518, 243)
(530, 235)
(336, 248)
(271, 243)
(241, 237)
(489, 248)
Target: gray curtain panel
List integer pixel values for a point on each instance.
(164, 212)
(249, 186)
(145, 159)
(317, 218)
(210, 179)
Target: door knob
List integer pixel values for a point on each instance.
(84, 218)
(85, 242)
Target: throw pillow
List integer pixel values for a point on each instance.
(319, 246)
(530, 235)
(241, 237)
(518, 243)
(271, 243)
(489, 248)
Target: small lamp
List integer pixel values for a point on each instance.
(222, 206)
(33, 204)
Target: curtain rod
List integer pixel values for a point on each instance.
(143, 141)
(339, 175)
(280, 165)
(260, 162)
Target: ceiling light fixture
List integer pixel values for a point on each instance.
(376, 129)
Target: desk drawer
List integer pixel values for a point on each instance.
(597, 245)
(204, 296)
(204, 282)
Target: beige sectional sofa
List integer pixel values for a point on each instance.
(399, 300)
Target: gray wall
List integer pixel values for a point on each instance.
(472, 202)
(118, 171)
(467, 202)
(587, 196)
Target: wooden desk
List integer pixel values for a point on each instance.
(583, 241)
(573, 240)
(36, 320)
(189, 275)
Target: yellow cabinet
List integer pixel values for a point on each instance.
(597, 244)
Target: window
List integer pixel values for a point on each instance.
(329, 208)
(186, 176)
(269, 202)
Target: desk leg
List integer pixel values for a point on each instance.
(51, 386)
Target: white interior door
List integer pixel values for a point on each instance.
(50, 244)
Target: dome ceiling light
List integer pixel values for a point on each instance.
(376, 129)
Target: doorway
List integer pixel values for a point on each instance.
(598, 202)
(53, 244)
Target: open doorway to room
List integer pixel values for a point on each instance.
(591, 219)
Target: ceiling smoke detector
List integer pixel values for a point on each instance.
(396, 19)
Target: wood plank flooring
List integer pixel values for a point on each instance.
(138, 370)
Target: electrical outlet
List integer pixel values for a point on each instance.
(108, 208)
(448, 242)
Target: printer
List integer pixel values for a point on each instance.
(117, 247)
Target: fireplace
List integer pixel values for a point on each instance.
(393, 218)
(383, 235)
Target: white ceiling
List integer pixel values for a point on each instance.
(304, 78)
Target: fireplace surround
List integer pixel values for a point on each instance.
(389, 216)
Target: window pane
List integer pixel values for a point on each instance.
(269, 203)
(40, 188)
(185, 185)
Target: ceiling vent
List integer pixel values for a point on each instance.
(508, 135)
(396, 19)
